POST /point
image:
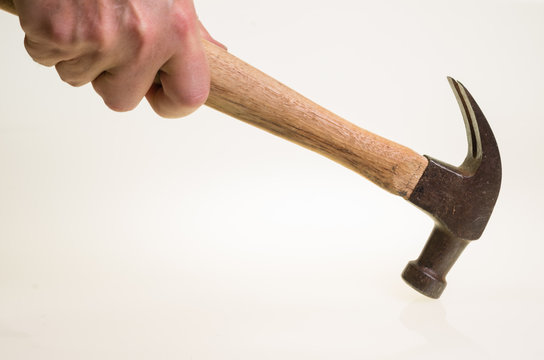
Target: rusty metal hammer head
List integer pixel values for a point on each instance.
(460, 199)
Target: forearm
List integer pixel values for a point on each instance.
(7, 5)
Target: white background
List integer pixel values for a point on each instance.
(127, 236)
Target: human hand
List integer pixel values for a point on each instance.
(122, 46)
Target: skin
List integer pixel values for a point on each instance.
(127, 49)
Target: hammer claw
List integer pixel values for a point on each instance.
(471, 125)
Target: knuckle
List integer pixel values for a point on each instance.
(107, 87)
(61, 34)
(31, 48)
(41, 54)
(38, 58)
(114, 101)
(119, 105)
(102, 39)
(32, 22)
(75, 81)
(141, 30)
(70, 74)
(43, 61)
(193, 98)
(49, 23)
(183, 21)
(37, 54)
(50, 30)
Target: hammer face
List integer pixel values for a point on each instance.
(459, 199)
(427, 274)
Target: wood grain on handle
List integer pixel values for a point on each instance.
(247, 94)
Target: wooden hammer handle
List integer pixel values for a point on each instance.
(245, 93)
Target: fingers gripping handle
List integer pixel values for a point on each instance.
(247, 94)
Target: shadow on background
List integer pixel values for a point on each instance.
(442, 341)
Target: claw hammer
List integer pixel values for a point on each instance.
(460, 199)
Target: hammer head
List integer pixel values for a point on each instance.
(460, 199)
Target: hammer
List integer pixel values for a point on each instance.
(459, 199)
